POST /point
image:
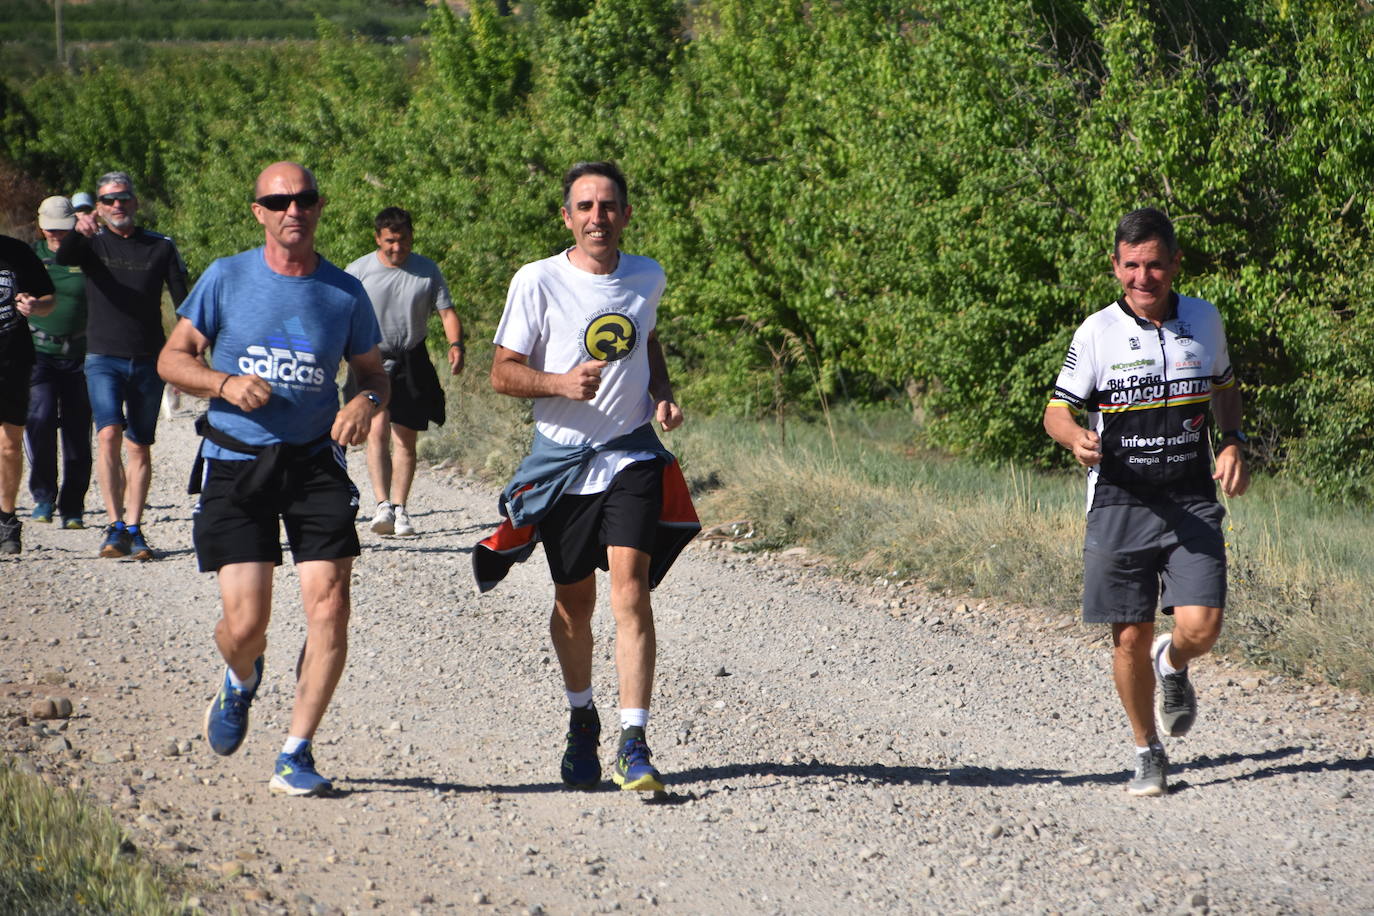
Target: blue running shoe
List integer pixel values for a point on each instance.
(633, 771)
(116, 543)
(139, 548)
(581, 767)
(295, 775)
(226, 719)
(42, 512)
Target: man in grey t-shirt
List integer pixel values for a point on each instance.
(405, 288)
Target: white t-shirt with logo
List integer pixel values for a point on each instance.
(560, 316)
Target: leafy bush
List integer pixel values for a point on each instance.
(854, 201)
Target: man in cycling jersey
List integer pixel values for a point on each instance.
(1145, 370)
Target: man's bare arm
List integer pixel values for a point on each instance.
(182, 364)
(35, 306)
(666, 409)
(511, 374)
(1231, 470)
(354, 419)
(453, 330)
(1065, 429)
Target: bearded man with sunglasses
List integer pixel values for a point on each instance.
(278, 319)
(126, 268)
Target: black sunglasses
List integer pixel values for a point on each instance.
(278, 202)
(108, 199)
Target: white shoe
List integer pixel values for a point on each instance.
(403, 526)
(384, 522)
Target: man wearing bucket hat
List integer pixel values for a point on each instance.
(58, 402)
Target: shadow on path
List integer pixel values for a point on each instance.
(900, 775)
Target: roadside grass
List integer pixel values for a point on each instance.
(870, 497)
(486, 434)
(60, 854)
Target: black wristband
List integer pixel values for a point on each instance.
(457, 343)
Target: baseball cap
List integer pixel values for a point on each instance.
(56, 213)
(82, 199)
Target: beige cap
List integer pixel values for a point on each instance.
(56, 213)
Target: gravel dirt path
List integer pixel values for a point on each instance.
(831, 746)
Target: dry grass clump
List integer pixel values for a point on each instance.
(878, 504)
(59, 854)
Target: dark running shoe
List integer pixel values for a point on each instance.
(226, 718)
(1177, 701)
(581, 768)
(633, 770)
(139, 548)
(42, 512)
(9, 535)
(1151, 773)
(116, 543)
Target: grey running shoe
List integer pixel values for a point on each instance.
(1177, 702)
(1151, 773)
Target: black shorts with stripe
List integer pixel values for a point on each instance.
(317, 504)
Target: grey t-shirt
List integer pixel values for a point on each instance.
(403, 297)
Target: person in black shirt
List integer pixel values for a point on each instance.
(25, 289)
(126, 268)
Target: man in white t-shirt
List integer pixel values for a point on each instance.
(578, 336)
(405, 289)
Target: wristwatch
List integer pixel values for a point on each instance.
(1236, 434)
(375, 398)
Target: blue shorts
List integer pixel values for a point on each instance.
(113, 382)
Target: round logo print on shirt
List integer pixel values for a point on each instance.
(610, 336)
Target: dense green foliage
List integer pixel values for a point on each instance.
(204, 20)
(853, 201)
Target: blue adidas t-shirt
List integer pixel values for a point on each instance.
(291, 331)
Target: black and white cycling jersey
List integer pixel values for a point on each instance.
(1146, 390)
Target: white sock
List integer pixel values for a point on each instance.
(580, 699)
(294, 744)
(1164, 666)
(634, 718)
(250, 684)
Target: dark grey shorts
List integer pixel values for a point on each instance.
(1130, 551)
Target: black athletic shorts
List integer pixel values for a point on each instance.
(318, 505)
(578, 529)
(1130, 552)
(407, 409)
(16, 363)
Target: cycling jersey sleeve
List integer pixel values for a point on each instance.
(1077, 377)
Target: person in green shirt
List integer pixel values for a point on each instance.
(58, 402)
